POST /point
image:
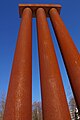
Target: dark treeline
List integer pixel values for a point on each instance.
(37, 109)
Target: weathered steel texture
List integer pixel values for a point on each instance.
(69, 52)
(34, 8)
(54, 104)
(19, 98)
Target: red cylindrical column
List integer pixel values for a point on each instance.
(19, 98)
(69, 52)
(54, 102)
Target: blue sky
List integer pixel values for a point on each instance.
(9, 26)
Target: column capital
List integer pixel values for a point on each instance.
(34, 7)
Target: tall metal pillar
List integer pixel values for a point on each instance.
(19, 98)
(69, 52)
(54, 104)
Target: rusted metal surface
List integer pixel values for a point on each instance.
(34, 8)
(69, 52)
(19, 98)
(54, 104)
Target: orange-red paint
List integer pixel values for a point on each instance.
(19, 97)
(69, 52)
(53, 96)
